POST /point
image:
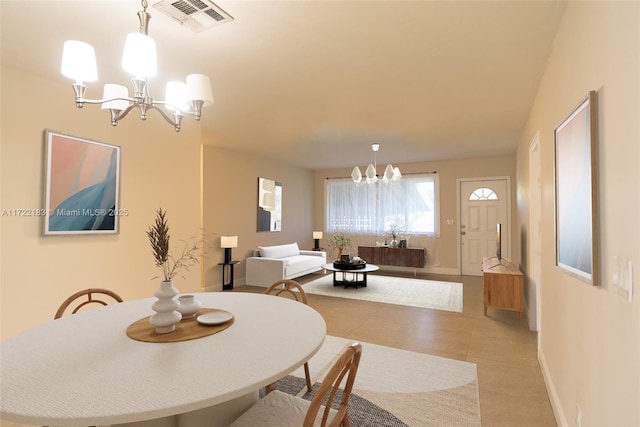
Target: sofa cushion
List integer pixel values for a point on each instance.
(300, 263)
(279, 251)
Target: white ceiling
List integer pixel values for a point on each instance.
(315, 83)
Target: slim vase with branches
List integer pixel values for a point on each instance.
(167, 304)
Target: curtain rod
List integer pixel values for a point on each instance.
(379, 176)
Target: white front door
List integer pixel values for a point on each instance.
(483, 204)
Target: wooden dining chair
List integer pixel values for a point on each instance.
(287, 287)
(85, 297)
(291, 289)
(281, 409)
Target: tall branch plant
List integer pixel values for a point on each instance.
(159, 238)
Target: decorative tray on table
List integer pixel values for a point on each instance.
(197, 326)
(350, 265)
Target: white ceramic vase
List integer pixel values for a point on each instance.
(165, 307)
(188, 306)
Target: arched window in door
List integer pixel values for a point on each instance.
(483, 193)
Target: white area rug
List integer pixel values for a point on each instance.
(437, 295)
(398, 387)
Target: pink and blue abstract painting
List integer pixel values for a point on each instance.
(82, 185)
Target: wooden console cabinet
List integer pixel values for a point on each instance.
(400, 257)
(503, 285)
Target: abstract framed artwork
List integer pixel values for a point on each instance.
(269, 205)
(576, 192)
(82, 185)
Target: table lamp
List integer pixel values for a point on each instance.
(228, 242)
(317, 235)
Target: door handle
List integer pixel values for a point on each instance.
(463, 233)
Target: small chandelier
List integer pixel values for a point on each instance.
(139, 59)
(390, 173)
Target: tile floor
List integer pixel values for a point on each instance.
(511, 387)
(512, 391)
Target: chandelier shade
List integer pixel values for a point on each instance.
(371, 174)
(390, 173)
(199, 88)
(79, 61)
(118, 95)
(140, 60)
(139, 57)
(356, 175)
(176, 96)
(396, 174)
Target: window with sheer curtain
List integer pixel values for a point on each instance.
(411, 204)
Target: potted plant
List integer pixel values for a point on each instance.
(340, 242)
(159, 238)
(166, 307)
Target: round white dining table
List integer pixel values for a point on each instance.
(83, 369)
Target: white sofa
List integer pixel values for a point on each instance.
(273, 263)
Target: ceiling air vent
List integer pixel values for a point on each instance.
(197, 15)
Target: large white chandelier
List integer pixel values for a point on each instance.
(390, 173)
(139, 59)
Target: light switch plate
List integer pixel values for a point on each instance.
(622, 276)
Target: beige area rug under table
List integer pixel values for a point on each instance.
(437, 295)
(396, 388)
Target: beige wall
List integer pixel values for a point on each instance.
(590, 336)
(449, 171)
(230, 201)
(159, 168)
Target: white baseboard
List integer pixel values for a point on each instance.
(561, 419)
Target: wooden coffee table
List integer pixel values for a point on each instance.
(355, 281)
